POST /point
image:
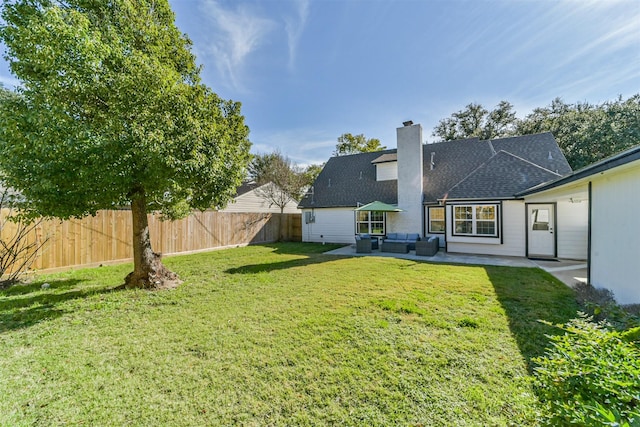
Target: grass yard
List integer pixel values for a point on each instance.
(278, 335)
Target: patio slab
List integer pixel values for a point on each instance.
(567, 271)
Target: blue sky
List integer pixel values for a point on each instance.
(308, 71)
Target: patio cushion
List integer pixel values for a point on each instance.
(392, 236)
(413, 236)
(401, 236)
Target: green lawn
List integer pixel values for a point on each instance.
(278, 335)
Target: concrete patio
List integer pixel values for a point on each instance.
(568, 271)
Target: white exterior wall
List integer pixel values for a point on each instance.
(409, 180)
(513, 233)
(572, 229)
(615, 233)
(572, 214)
(332, 225)
(386, 171)
(253, 202)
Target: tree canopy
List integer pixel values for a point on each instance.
(276, 168)
(585, 132)
(476, 121)
(110, 112)
(352, 144)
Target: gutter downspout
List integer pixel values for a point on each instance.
(589, 235)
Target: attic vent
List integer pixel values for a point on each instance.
(329, 183)
(433, 155)
(360, 175)
(550, 156)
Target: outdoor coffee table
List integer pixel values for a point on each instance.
(395, 247)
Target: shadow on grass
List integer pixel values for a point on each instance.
(529, 295)
(24, 305)
(313, 253)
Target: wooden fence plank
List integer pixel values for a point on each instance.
(107, 236)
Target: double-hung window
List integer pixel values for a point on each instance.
(475, 220)
(370, 222)
(436, 219)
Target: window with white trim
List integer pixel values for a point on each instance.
(370, 222)
(475, 220)
(436, 219)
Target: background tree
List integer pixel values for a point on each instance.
(281, 180)
(311, 173)
(352, 144)
(111, 112)
(585, 132)
(476, 121)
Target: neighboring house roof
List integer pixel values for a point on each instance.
(245, 187)
(620, 159)
(463, 169)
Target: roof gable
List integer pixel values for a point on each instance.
(502, 176)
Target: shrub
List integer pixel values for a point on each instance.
(18, 247)
(589, 376)
(600, 303)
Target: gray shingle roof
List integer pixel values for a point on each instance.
(463, 169)
(619, 159)
(349, 180)
(502, 176)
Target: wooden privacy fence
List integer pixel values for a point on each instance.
(107, 236)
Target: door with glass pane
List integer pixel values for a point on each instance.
(540, 229)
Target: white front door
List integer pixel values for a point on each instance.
(540, 229)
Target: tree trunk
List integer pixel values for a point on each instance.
(280, 233)
(148, 270)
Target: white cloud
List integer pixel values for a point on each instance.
(302, 146)
(234, 35)
(9, 82)
(294, 26)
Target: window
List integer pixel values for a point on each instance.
(540, 219)
(436, 219)
(370, 222)
(475, 220)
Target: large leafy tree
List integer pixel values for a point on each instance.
(111, 112)
(352, 144)
(476, 121)
(586, 132)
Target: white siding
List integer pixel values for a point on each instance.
(571, 228)
(253, 202)
(615, 233)
(513, 234)
(332, 225)
(572, 213)
(386, 171)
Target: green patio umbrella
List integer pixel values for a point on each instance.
(379, 206)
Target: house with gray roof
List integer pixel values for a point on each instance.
(466, 192)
